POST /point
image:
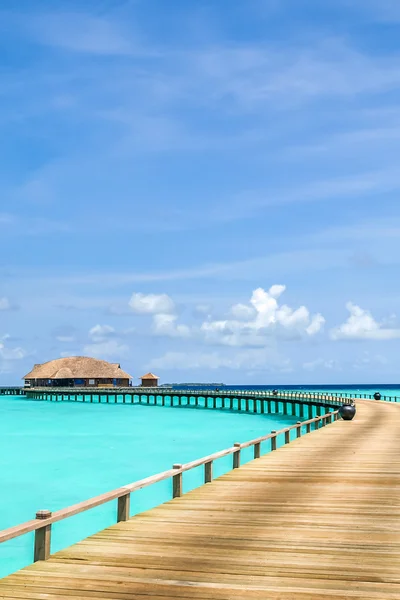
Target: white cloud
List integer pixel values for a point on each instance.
(152, 304)
(100, 333)
(361, 325)
(242, 312)
(107, 349)
(8, 354)
(266, 319)
(164, 324)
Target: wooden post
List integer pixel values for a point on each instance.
(301, 410)
(308, 427)
(236, 455)
(208, 472)
(316, 426)
(273, 440)
(124, 505)
(269, 406)
(287, 437)
(285, 408)
(298, 430)
(309, 409)
(42, 538)
(257, 450)
(177, 483)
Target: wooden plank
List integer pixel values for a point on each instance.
(317, 519)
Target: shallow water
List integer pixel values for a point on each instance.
(53, 455)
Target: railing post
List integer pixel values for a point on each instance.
(287, 437)
(298, 430)
(257, 450)
(273, 440)
(308, 428)
(236, 455)
(42, 538)
(177, 483)
(124, 505)
(208, 472)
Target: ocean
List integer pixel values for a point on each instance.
(55, 454)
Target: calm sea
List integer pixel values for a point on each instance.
(53, 455)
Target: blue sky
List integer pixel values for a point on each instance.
(205, 189)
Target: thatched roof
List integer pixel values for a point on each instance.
(149, 376)
(77, 367)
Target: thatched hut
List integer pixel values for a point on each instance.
(77, 371)
(150, 380)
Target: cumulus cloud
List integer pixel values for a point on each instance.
(167, 325)
(361, 325)
(262, 319)
(152, 304)
(100, 333)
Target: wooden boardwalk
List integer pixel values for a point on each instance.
(318, 518)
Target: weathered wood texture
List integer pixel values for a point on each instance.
(317, 519)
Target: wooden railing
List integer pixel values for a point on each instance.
(44, 520)
(323, 399)
(330, 397)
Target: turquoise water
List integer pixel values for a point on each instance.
(53, 455)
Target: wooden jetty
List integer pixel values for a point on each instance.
(316, 519)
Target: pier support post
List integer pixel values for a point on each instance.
(208, 472)
(273, 440)
(177, 483)
(236, 455)
(124, 505)
(298, 430)
(42, 538)
(287, 437)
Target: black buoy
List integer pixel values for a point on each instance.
(275, 392)
(347, 412)
(377, 396)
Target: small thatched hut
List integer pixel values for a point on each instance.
(150, 380)
(77, 371)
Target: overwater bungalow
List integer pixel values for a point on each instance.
(77, 371)
(150, 380)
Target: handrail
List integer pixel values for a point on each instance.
(42, 524)
(282, 395)
(330, 396)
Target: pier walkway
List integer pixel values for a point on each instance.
(318, 518)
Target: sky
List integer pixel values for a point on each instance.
(205, 189)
